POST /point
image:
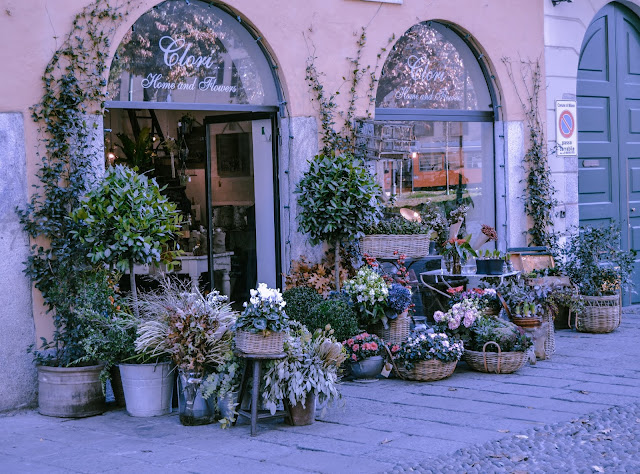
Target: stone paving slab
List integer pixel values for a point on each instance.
(382, 425)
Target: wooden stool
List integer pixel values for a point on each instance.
(256, 360)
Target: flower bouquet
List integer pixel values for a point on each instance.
(364, 352)
(261, 327)
(369, 292)
(459, 319)
(487, 234)
(427, 357)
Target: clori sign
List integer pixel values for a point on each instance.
(566, 128)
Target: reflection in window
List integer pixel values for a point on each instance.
(190, 52)
(430, 67)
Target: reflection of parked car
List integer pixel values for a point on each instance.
(430, 170)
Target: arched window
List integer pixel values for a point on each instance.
(432, 138)
(191, 53)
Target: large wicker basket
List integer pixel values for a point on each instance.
(495, 362)
(601, 314)
(385, 245)
(427, 370)
(259, 343)
(397, 331)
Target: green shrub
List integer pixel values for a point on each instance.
(300, 302)
(338, 314)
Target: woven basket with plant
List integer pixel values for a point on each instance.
(426, 357)
(261, 327)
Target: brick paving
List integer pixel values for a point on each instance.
(380, 425)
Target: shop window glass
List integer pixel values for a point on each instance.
(430, 67)
(444, 154)
(192, 53)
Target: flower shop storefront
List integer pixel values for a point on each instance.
(193, 103)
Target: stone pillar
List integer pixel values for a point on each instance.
(17, 372)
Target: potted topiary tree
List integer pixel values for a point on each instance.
(338, 200)
(596, 265)
(124, 221)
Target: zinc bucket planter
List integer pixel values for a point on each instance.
(367, 368)
(70, 392)
(148, 388)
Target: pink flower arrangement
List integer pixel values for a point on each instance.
(362, 346)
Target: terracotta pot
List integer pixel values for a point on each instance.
(299, 415)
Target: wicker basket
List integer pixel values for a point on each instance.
(427, 370)
(385, 245)
(527, 322)
(257, 343)
(495, 362)
(397, 331)
(601, 314)
(550, 342)
(490, 312)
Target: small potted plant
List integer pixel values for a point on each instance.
(490, 262)
(485, 299)
(397, 312)
(496, 346)
(364, 352)
(222, 385)
(599, 269)
(427, 357)
(459, 319)
(309, 370)
(262, 326)
(194, 331)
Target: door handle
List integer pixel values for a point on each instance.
(633, 209)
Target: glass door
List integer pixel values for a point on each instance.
(240, 204)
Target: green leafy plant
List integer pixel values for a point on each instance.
(125, 220)
(510, 337)
(398, 226)
(338, 200)
(336, 313)
(73, 94)
(139, 152)
(223, 382)
(594, 262)
(310, 366)
(300, 301)
(459, 248)
(264, 312)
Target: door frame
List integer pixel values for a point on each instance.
(245, 117)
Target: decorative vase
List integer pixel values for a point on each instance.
(70, 392)
(456, 267)
(367, 368)
(193, 408)
(302, 415)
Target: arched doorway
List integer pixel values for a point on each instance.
(194, 104)
(608, 95)
(434, 125)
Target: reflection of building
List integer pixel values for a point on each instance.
(450, 124)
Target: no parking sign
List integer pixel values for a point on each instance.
(566, 128)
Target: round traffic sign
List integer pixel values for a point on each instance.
(567, 124)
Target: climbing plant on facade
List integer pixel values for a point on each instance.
(539, 200)
(74, 84)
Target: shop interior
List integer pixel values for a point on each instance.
(173, 147)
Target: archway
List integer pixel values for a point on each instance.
(194, 103)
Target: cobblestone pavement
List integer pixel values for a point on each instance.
(578, 412)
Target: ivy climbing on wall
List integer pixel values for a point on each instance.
(539, 200)
(74, 84)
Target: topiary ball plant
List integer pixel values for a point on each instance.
(337, 313)
(300, 301)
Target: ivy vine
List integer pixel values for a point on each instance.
(539, 200)
(343, 139)
(74, 83)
